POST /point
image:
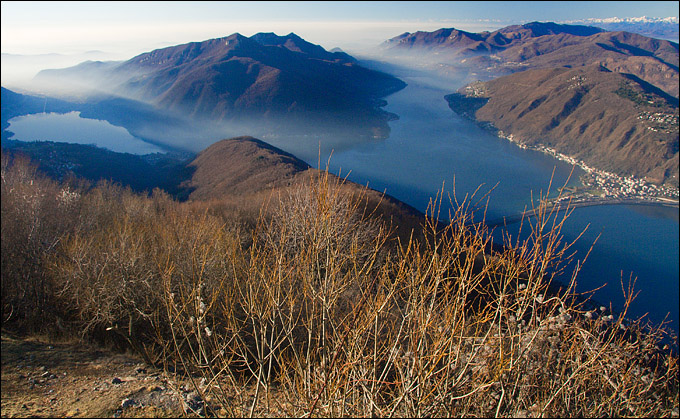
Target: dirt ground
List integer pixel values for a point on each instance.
(49, 379)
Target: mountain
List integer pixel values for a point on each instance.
(19, 69)
(611, 121)
(546, 45)
(652, 60)
(239, 166)
(265, 77)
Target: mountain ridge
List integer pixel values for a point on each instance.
(459, 41)
(654, 27)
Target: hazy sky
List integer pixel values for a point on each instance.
(130, 28)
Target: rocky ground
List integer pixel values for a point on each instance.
(48, 379)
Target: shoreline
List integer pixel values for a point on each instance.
(603, 184)
(595, 182)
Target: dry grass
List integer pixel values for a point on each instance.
(319, 310)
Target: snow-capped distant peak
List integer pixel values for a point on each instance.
(642, 19)
(654, 27)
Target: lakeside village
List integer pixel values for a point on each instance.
(604, 185)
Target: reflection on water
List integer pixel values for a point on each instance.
(71, 128)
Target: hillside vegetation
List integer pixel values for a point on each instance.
(319, 308)
(611, 121)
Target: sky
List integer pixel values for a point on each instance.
(130, 28)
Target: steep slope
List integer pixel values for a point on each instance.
(461, 43)
(454, 40)
(652, 60)
(611, 121)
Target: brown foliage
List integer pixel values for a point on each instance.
(310, 311)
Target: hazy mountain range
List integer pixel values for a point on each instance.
(608, 98)
(456, 42)
(544, 45)
(283, 80)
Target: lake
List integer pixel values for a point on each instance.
(430, 146)
(71, 128)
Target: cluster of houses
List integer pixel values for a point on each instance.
(665, 121)
(628, 187)
(611, 185)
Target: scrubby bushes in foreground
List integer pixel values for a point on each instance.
(319, 310)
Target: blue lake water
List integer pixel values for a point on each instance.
(430, 146)
(635, 243)
(72, 128)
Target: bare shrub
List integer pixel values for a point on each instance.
(36, 214)
(326, 324)
(310, 313)
(117, 277)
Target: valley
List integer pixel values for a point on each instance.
(476, 220)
